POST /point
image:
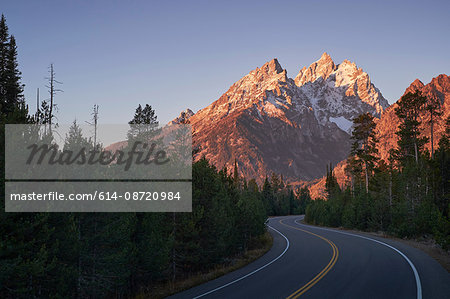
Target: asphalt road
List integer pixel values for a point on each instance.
(311, 262)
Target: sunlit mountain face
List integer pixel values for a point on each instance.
(387, 126)
(268, 122)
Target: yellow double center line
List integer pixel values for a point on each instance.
(322, 273)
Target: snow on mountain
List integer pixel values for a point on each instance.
(269, 122)
(340, 91)
(387, 126)
(343, 123)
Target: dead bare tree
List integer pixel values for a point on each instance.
(94, 123)
(52, 90)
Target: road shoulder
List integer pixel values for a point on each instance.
(428, 246)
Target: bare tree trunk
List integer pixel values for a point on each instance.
(95, 126)
(353, 185)
(432, 133)
(37, 106)
(416, 154)
(367, 177)
(52, 92)
(390, 188)
(94, 123)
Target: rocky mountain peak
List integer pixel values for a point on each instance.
(272, 66)
(441, 84)
(413, 87)
(268, 122)
(340, 92)
(325, 57)
(348, 62)
(183, 118)
(270, 71)
(321, 68)
(250, 91)
(442, 80)
(438, 87)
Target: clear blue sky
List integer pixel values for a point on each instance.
(185, 54)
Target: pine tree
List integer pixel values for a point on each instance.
(363, 152)
(410, 142)
(149, 115)
(42, 116)
(146, 116)
(331, 184)
(268, 197)
(144, 122)
(75, 140)
(409, 148)
(304, 198)
(14, 89)
(11, 89)
(138, 117)
(4, 49)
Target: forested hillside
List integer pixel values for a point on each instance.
(97, 255)
(407, 194)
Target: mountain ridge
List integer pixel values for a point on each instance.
(268, 122)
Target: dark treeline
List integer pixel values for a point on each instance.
(406, 196)
(280, 199)
(95, 255)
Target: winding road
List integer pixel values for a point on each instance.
(313, 262)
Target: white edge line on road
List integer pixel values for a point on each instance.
(416, 274)
(253, 272)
